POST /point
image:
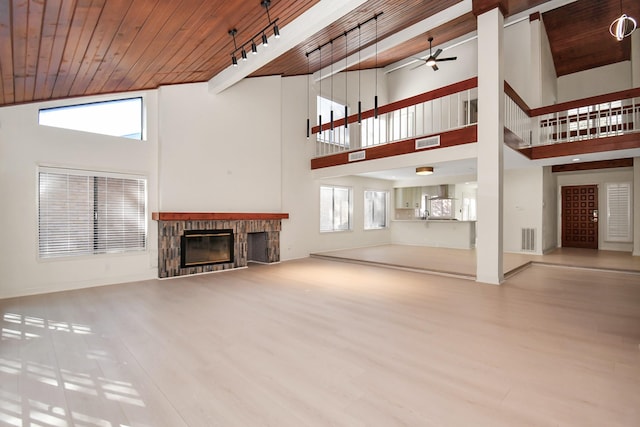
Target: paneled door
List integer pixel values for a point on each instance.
(580, 216)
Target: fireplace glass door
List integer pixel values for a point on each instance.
(203, 247)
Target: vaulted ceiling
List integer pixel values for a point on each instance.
(65, 48)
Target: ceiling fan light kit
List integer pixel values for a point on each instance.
(433, 59)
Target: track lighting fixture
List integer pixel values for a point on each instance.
(260, 35)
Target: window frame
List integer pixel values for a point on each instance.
(142, 137)
(441, 201)
(611, 234)
(349, 209)
(100, 246)
(336, 137)
(386, 209)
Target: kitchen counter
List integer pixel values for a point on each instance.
(434, 232)
(429, 220)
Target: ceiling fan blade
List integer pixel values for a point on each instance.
(438, 52)
(435, 67)
(452, 58)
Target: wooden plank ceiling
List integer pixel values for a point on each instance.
(65, 48)
(579, 34)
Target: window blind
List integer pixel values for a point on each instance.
(84, 213)
(619, 212)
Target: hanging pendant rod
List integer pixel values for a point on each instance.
(374, 17)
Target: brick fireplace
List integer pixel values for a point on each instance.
(173, 226)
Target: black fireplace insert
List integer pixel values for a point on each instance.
(204, 247)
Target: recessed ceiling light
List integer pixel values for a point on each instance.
(577, 159)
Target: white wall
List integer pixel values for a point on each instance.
(597, 81)
(406, 82)
(600, 178)
(24, 145)
(549, 84)
(523, 198)
(362, 84)
(518, 62)
(298, 194)
(300, 234)
(221, 153)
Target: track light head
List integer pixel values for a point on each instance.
(276, 31)
(265, 41)
(234, 61)
(243, 53)
(254, 48)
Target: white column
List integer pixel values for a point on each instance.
(635, 82)
(636, 206)
(490, 145)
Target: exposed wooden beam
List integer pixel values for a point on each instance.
(452, 138)
(601, 164)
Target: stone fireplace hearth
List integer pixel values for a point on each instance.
(172, 227)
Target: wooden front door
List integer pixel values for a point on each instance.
(580, 216)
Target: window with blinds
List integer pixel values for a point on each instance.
(86, 213)
(619, 212)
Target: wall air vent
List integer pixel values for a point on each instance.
(357, 155)
(528, 240)
(432, 141)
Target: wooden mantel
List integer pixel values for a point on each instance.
(216, 216)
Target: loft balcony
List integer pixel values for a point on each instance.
(448, 116)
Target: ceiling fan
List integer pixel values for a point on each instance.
(433, 58)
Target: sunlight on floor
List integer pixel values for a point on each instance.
(53, 391)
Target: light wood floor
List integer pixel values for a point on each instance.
(462, 262)
(321, 343)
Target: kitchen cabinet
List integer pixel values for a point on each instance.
(408, 197)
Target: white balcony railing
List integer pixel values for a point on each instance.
(454, 107)
(517, 120)
(602, 116)
(612, 118)
(430, 114)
